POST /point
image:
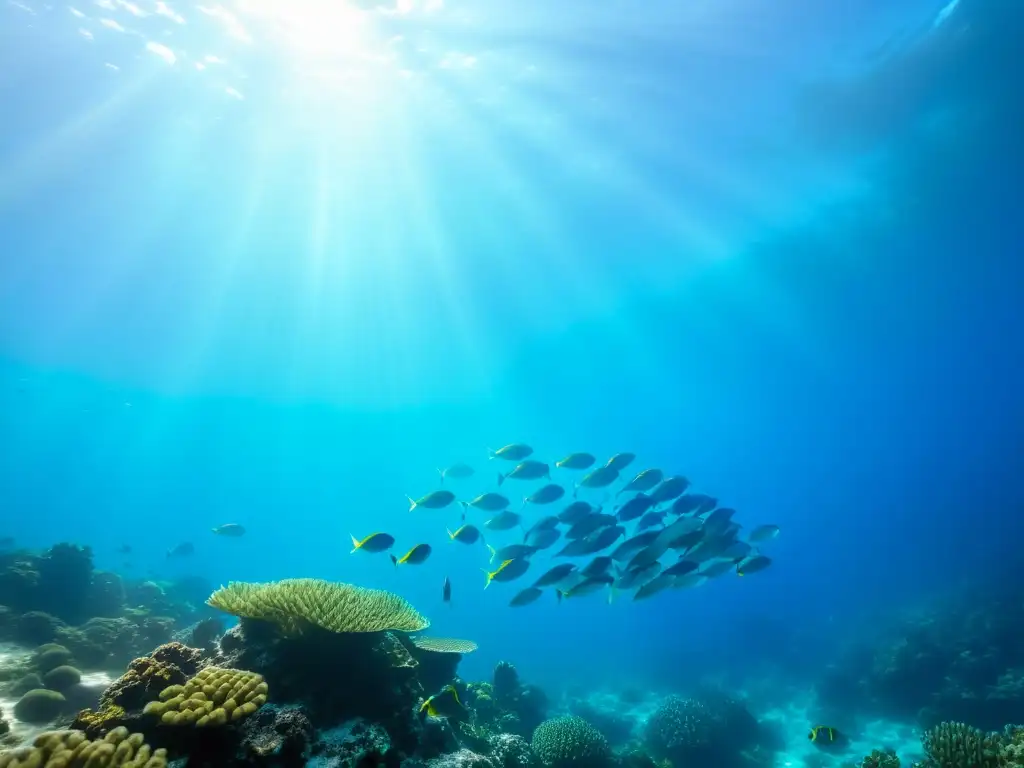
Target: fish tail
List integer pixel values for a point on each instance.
(501, 478)
(412, 503)
(441, 473)
(491, 454)
(450, 534)
(611, 595)
(493, 553)
(355, 543)
(394, 560)
(489, 577)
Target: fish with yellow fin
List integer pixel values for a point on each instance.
(375, 542)
(418, 554)
(466, 534)
(445, 704)
(509, 570)
(826, 737)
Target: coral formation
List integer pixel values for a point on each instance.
(570, 742)
(712, 729)
(880, 759)
(73, 749)
(444, 644)
(294, 605)
(39, 706)
(213, 697)
(62, 678)
(956, 745)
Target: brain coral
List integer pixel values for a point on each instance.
(566, 742)
(295, 604)
(214, 696)
(683, 729)
(72, 749)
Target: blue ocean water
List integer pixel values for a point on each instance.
(276, 263)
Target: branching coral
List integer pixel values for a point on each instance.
(72, 749)
(956, 745)
(296, 604)
(213, 697)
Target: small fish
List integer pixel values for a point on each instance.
(631, 546)
(510, 552)
(601, 477)
(465, 534)
(375, 542)
(753, 565)
(507, 571)
(706, 504)
(634, 508)
(651, 520)
(670, 488)
(229, 529)
(503, 521)
(654, 586)
(587, 586)
(681, 568)
(763, 533)
(620, 461)
(643, 481)
(554, 575)
(184, 549)
(709, 548)
(458, 471)
(513, 452)
(576, 461)
(545, 495)
(593, 543)
(433, 500)
(599, 566)
(545, 523)
(124, 549)
(531, 469)
(719, 520)
(543, 538)
(588, 525)
(525, 597)
(575, 512)
(686, 504)
(488, 502)
(827, 737)
(445, 704)
(446, 591)
(418, 554)
(737, 551)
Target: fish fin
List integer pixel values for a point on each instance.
(489, 577)
(441, 473)
(611, 595)
(491, 454)
(493, 552)
(394, 560)
(501, 479)
(412, 503)
(355, 543)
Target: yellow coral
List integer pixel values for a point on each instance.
(73, 749)
(294, 604)
(444, 644)
(215, 696)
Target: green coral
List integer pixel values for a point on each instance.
(50, 656)
(73, 749)
(880, 759)
(296, 604)
(215, 696)
(62, 678)
(570, 742)
(956, 745)
(39, 706)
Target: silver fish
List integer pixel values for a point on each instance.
(601, 477)
(554, 575)
(763, 533)
(644, 481)
(525, 597)
(513, 452)
(631, 546)
(599, 566)
(654, 586)
(682, 568)
(576, 461)
(651, 520)
(543, 538)
(575, 512)
(587, 586)
(510, 552)
(669, 488)
(545, 495)
(634, 508)
(530, 469)
(753, 565)
(620, 461)
(458, 471)
(433, 500)
(488, 502)
(503, 521)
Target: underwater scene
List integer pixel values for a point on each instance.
(492, 384)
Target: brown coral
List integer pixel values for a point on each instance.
(215, 696)
(73, 749)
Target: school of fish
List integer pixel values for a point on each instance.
(649, 532)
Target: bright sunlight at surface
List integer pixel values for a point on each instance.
(356, 170)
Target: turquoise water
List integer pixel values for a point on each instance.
(275, 264)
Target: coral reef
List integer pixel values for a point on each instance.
(296, 605)
(214, 696)
(956, 745)
(506, 705)
(40, 706)
(712, 729)
(570, 742)
(73, 749)
(880, 759)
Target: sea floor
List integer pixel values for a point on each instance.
(21, 732)
(792, 724)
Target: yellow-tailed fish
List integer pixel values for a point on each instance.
(433, 500)
(444, 704)
(509, 570)
(465, 534)
(375, 542)
(414, 556)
